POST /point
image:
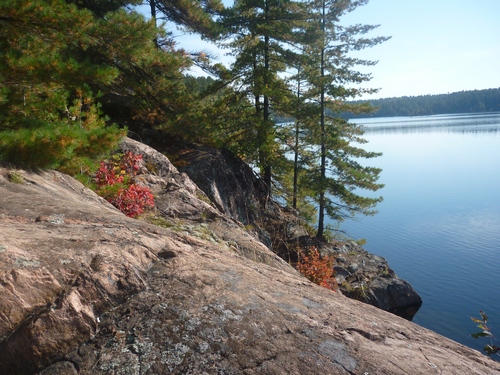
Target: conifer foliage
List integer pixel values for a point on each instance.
(48, 113)
(262, 34)
(70, 68)
(64, 63)
(326, 78)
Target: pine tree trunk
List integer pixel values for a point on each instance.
(296, 149)
(267, 123)
(152, 4)
(321, 208)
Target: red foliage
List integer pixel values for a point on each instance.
(106, 175)
(132, 201)
(130, 198)
(130, 163)
(317, 268)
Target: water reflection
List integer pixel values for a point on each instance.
(433, 129)
(463, 123)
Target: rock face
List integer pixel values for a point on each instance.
(230, 184)
(86, 290)
(234, 189)
(368, 278)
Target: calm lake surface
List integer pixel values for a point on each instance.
(439, 223)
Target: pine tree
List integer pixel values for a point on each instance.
(302, 110)
(65, 62)
(48, 113)
(337, 173)
(262, 33)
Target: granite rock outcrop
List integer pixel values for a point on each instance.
(235, 190)
(86, 290)
(368, 278)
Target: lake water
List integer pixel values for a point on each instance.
(439, 223)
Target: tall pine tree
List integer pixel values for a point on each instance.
(337, 173)
(262, 33)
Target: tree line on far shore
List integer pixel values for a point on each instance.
(473, 101)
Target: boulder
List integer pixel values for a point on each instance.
(227, 181)
(368, 278)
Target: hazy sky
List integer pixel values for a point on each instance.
(437, 46)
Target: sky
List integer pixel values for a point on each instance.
(436, 46)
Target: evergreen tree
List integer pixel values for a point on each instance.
(303, 112)
(337, 172)
(61, 61)
(262, 33)
(48, 113)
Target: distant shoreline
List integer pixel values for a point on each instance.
(475, 101)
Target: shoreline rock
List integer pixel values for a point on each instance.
(86, 290)
(368, 278)
(235, 191)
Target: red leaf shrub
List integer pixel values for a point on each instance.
(106, 175)
(131, 163)
(317, 268)
(132, 201)
(129, 198)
